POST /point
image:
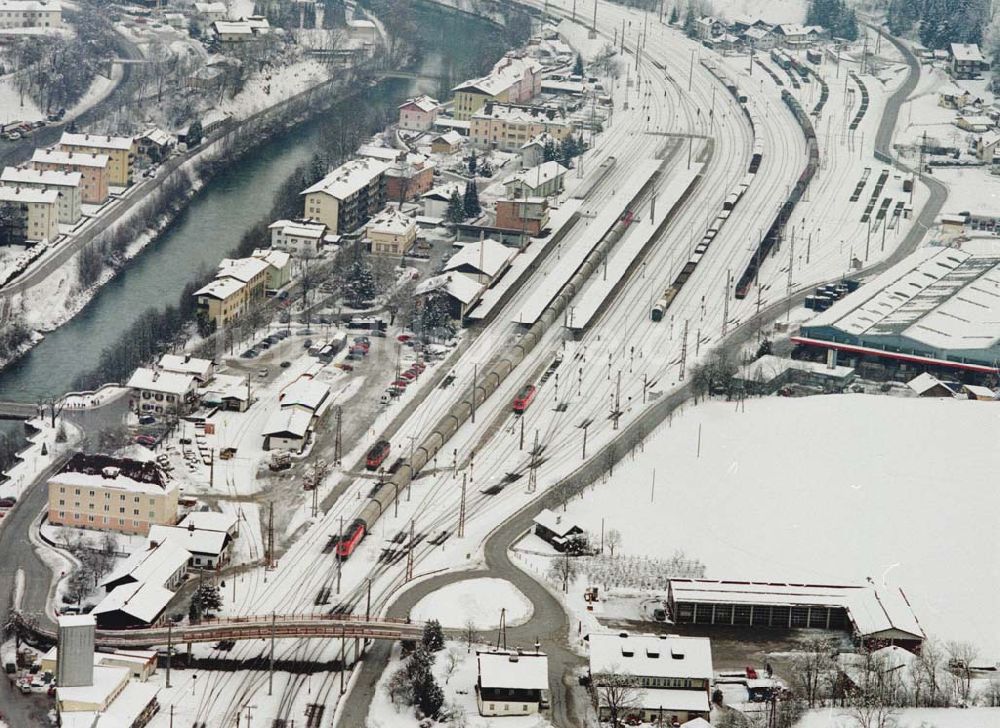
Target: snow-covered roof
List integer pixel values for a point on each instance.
(513, 671)
(99, 141)
(298, 229)
(289, 421)
(770, 366)
(105, 471)
(989, 139)
(451, 138)
(442, 192)
(487, 256)
(757, 33)
(553, 522)
(536, 176)
(28, 194)
(210, 7)
(186, 364)
(967, 53)
(79, 159)
(209, 521)
(349, 178)
(424, 103)
(156, 380)
(197, 541)
(692, 701)
(143, 600)
(232, 27)
(942, 297)
(518, 114)
(304, 392)
(51, 177)
(361, 23)
(646, 655)
(128, 706)
(29, 5)
(242, 269)
(456, 285)
(76, 620)
(925, 382)
(975, 120)
(539, 140)
(792, 29)
(274, 258)
(221, 288)
(979, 391)
(158, 136)
(696, 723)
(391, 222)
(506, 72)
(376, 151)
(871, 610)
(156, 565)
(106, 681)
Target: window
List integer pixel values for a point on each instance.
(62, 502)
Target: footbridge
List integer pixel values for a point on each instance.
(299, 626)
(18, 410)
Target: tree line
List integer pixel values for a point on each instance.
(939, 23)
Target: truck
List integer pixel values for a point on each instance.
(280, 460)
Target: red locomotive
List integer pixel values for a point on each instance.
(377, 455)
(524, 398)
(351, 539)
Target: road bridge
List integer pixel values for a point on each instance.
(18, 410)
(307, 626)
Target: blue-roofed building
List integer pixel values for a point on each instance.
(938, 310)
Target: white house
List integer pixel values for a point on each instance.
(288, 429)
(300, 238)
(161, 392)
(436, 201)
(511, 683)
(540, 181)
(201, 369)
(208, 549)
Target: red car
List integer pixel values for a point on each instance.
(147, 440)
(401, 383)
(408, 375)
(403, 337)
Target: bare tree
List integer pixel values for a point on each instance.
(961, 656)
(469, 634)
(450, 665)
(613, 539)
(564, 569)
(877, 693)
(812, 671)
(617, 696)
(926, 676)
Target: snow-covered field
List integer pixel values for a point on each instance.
(478, 600)
(824, 489)
(912, 718)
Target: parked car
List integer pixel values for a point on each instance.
(401, 383)
(262, 372)
(345, 366)
(285, 364)
(307, 344)
(147, 420)
(408, 376)
(8, 502)
(146, 440)
(249, 354)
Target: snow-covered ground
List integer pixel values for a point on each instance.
(773, 11)
(910, 718)
(456, 671)
(824, 489)
(475, 600)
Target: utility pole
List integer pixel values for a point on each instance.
(170, 648)
(409, 555)
(249, 708)
(270, 536)
(475, 372)
(585, 426)
(340, 538)
(725, 301)
(461, 509)
(593, 28)
(343, 665)
(270, 669)
(684, 350)
(617, 413)
(338, 443)
(533, 472)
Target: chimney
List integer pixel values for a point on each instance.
(110, 472)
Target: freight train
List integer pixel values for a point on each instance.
(770, 239)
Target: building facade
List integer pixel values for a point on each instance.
(105, 493)
(32, 215)
(162, 392)
(120, 151)
(346, 198)
(66, 184)
(93, 169)
(239, 285)
(513, 80)
(418, 114)
(529, 214)
(30, 14)
(508, 128)
(391, 233)
(300, 238)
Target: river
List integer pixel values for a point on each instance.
(218, 217)
(452, 47)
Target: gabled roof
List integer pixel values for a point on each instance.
(925, 382)
(307, 393)
(391, 222)
(186, 364)
(289, 421)
(299, 229)
(442, 192)
(449, 137)
(242, 269)
(553, 522)
(486, 256)
(458, 286)
(535, 177)
(154, 565)
(220, 288)
(156, 380)
(645, 655)
(349, 178)
(274, 258)
(59, 156)
(144, 601)
(28, 194)
(208, 521)
(424, 103)
(100, 141)
(51, 177)
(197, 541)
(513, 671)
(967, 53)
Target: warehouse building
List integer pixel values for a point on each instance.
(937, 311)
(875, 617)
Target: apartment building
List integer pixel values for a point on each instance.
(29, 215)
(67, 184)
(300, 238)
(93, 170)
(162, 392)
(346, 198)
(238, 286)
(30, 14)
(120, 151)
(106, 493)
(513, 80)
(508, 128)
(419, 114)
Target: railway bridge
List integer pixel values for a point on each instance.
(307, 626)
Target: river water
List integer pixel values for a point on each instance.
(453, 47)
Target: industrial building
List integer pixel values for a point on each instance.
(937, 311)
(875, 617)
